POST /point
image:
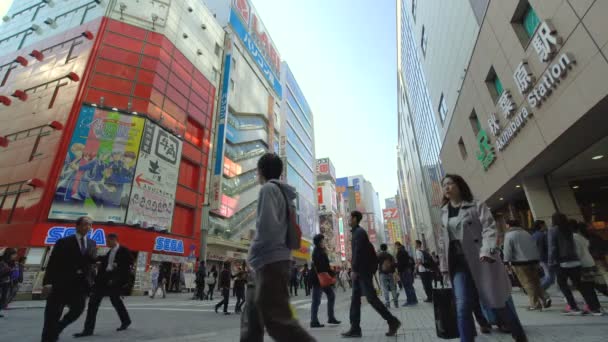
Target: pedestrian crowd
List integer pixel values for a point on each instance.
(468, 280)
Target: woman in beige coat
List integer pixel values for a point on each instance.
(473, 259)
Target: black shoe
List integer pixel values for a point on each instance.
(352, 333)
(83, 334)
(333, 321)
(227, 313)
(393, 327)
(123, 326)
(216, 308)
(316, 325)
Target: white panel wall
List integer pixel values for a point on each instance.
(25, 14)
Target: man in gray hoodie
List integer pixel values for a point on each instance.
(520, 250)
(269, 260)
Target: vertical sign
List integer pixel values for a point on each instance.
(99, 167)
(153, 195)
(216, 177)
(342, 242)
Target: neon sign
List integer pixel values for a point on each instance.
(165, 244)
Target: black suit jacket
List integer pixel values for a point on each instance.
(69, 270)
(119, 276)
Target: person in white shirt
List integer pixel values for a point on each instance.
(426, 274)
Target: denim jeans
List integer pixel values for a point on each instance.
(549, 277)
(407, 279)
(317, 292)
(389, 286)
(363, 286)
(467, 300)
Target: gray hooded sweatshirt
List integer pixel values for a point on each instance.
(269, 244)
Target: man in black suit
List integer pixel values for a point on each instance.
(68, 279)
(113, 271)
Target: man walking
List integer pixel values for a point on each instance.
(68, 279)
(542, 244)
(405, 267)
(293, 282)
(270, 260)
(200, 281)
(224, 287)
(521, 252)
(387, 265)
(364, 265)
(113, 271)
(424, 266)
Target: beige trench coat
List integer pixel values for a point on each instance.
(478, 238)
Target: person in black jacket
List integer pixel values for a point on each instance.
(68, 279)
(405, 267)
(224, 286)
(200, 281)
(239, 288)
(320, 264)
(293, 282)
(365, 263)
(113, 270)
(387, 266)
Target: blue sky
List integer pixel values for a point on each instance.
(343, 55)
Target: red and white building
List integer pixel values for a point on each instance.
(107, 112)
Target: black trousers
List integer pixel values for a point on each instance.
(293, 287)
(53, 322)
(240, 300)
(95, 300)
(427, 283)
(364, 286)
(224, 302)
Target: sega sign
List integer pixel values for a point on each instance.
(165, 244)
(246, 24)
(55, 233)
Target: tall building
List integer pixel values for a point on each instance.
(359, 194)
(106, 111)
(248, 126)
(298, 150)
(434, 43)
(327, 200)
(529, 131)
(264, 110)
(392, 222)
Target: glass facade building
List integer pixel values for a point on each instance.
(298, 151)
(420, 169)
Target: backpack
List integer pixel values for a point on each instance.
(428, 262)
(294, 232)
(373, 257)
(388, 265)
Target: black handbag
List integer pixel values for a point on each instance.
(446, 323)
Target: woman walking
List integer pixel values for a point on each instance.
(564, 259)
(211, 281)
(474, 264)
(320, 266)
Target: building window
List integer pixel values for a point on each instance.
(525, 21)
(462, 149)
(443, 109)
(424, 40)
(475, 124)
(217, 49)
(530, 21)
(494, 84)
(414, 5)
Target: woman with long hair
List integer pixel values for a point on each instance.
(563, 258)
(473, 259)
(320, 264)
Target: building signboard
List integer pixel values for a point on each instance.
(153, 195)
(545, 43)
(222, 117)
(247, 25)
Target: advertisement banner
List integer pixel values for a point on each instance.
(390, 214)
(247, 25)
(320, 195)
(99, 167)
(342, 239)
(153, 194)
(222, 117)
